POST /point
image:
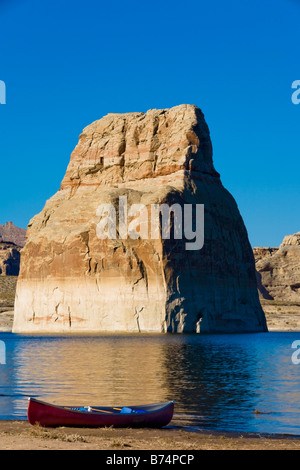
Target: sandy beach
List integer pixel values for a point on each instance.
(20, 435)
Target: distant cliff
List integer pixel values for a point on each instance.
(9, 259)
(278, 270)
(10, 233)
(12, 239)
(71, 280)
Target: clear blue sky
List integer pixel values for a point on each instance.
(67, 63)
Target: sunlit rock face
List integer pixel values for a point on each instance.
(9, 259)
(278, 270)
(10, 233)
(72, 280)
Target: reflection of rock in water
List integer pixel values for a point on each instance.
(201, 376)
(87, 371)
(208, 378)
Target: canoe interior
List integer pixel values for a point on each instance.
(117, 409)
(108, 409)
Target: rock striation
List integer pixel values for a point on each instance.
(70, 280)
(278, 270)
(10, 233)
(9, 259)
(261, 252)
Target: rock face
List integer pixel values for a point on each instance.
(261, 252)
(10, 233)
(278, 270)
(72, 280)
(9, 259)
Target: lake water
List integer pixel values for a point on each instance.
(217, 381)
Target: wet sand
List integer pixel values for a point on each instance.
(20, 435)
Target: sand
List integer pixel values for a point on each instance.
(281, 316)
(20, 435)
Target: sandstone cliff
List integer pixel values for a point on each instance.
(10, 233)
(278, 270)
(9, 259)
(70, 280)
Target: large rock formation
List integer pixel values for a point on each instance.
(10, 233)
(278, 270)
(9, 259)
(72, 280)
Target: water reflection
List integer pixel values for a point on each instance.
(212, 376)
(218, 381)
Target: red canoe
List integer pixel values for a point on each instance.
(46, 414)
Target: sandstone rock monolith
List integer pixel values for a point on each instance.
(70, 280)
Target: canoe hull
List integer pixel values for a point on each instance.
(46, 414)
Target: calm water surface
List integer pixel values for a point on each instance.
(217, 381)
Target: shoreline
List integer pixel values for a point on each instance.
(20, 435)
(280, 316)
(285, 320)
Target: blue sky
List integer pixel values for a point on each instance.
(67, 63)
